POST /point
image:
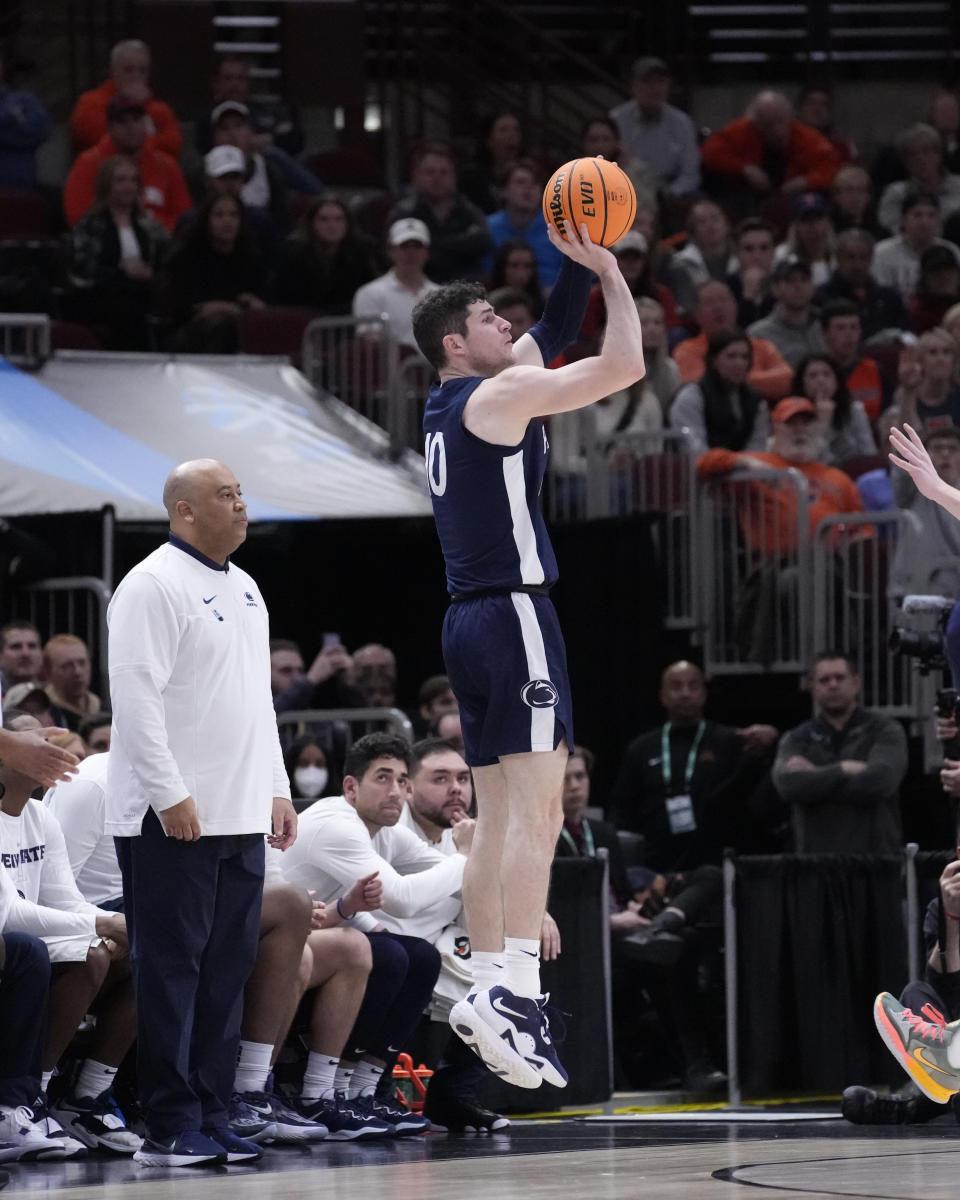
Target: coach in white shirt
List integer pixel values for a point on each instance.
(196, 778)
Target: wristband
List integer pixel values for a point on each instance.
(952, 916)
(350, 918)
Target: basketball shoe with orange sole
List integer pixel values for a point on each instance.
(920, 1043)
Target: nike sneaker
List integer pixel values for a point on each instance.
(286, 1124)
(919, 1044)
(403, 1121)
(511, 1035)
(97, 1122)
(343, 1121)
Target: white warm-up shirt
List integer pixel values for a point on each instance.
(79, 805)
(190, 691)
(34, 859)
(442, 924)
(334, 849)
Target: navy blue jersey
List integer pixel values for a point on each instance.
(486, 498)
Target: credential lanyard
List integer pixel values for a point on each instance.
(665, 764)
(588, 847)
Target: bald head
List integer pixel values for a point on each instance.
(206, 507)
(772, 113)
(683, 692)
(183, 481)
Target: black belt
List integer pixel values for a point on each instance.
(531, 589)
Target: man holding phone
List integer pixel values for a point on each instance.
(325, 685)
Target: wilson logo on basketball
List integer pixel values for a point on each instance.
(556, 202)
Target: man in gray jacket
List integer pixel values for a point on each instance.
(840, 772)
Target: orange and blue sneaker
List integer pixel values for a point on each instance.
(920, 1043)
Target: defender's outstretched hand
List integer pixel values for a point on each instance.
(589, 254)
(911, 456)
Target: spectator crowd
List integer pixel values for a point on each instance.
(795, 302)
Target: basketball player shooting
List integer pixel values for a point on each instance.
(486, 452)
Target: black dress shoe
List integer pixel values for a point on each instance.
(864, 1106)
(652, 946)
(704, 1077)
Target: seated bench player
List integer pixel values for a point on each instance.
(347, 837)
(90, 971)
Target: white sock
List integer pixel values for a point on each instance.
(45, 1080)
(341, 1080)
(253, 1066)
(94, 1079)
(319, 1076)
(365, 1079)
(523, 966)
(487, 966)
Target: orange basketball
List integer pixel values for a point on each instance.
(591, 192)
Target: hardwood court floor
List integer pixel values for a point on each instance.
(573, 1159)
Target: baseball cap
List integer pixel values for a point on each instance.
(649, 65)
(786, 266)
(632, 241)
(791, 407)
(19, 692)
(408, 229)
(224, 160)
(121, 106)
(809, 204)
(229, 106)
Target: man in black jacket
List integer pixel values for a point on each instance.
(841, 771)
(680, 784)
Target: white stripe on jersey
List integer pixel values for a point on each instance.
(541, 719)
(524, 536)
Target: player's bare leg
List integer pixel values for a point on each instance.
(505, 888)
(482, 887)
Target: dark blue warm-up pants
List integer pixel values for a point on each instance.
(193, 918)
(24, 992)
(401, 981)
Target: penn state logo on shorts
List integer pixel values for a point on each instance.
(539, 693)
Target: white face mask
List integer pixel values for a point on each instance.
(310, 781)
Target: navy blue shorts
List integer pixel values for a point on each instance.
(507, 665)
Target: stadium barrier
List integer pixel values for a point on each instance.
(25, 339)
(809, 942)
(75, 604)
(753, 572)
(358, 360)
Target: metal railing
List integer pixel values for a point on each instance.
(358, 360)
(77, 605)
(753, 557)
(628, 473)
(852, 607)
(25, 339)
(355, 722)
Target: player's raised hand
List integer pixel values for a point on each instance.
(911, 456)
(589, 254)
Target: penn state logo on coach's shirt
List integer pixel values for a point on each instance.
(539, 693)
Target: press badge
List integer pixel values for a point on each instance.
(680, 812)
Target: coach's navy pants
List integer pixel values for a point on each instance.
(193, 917)
(24, 991)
